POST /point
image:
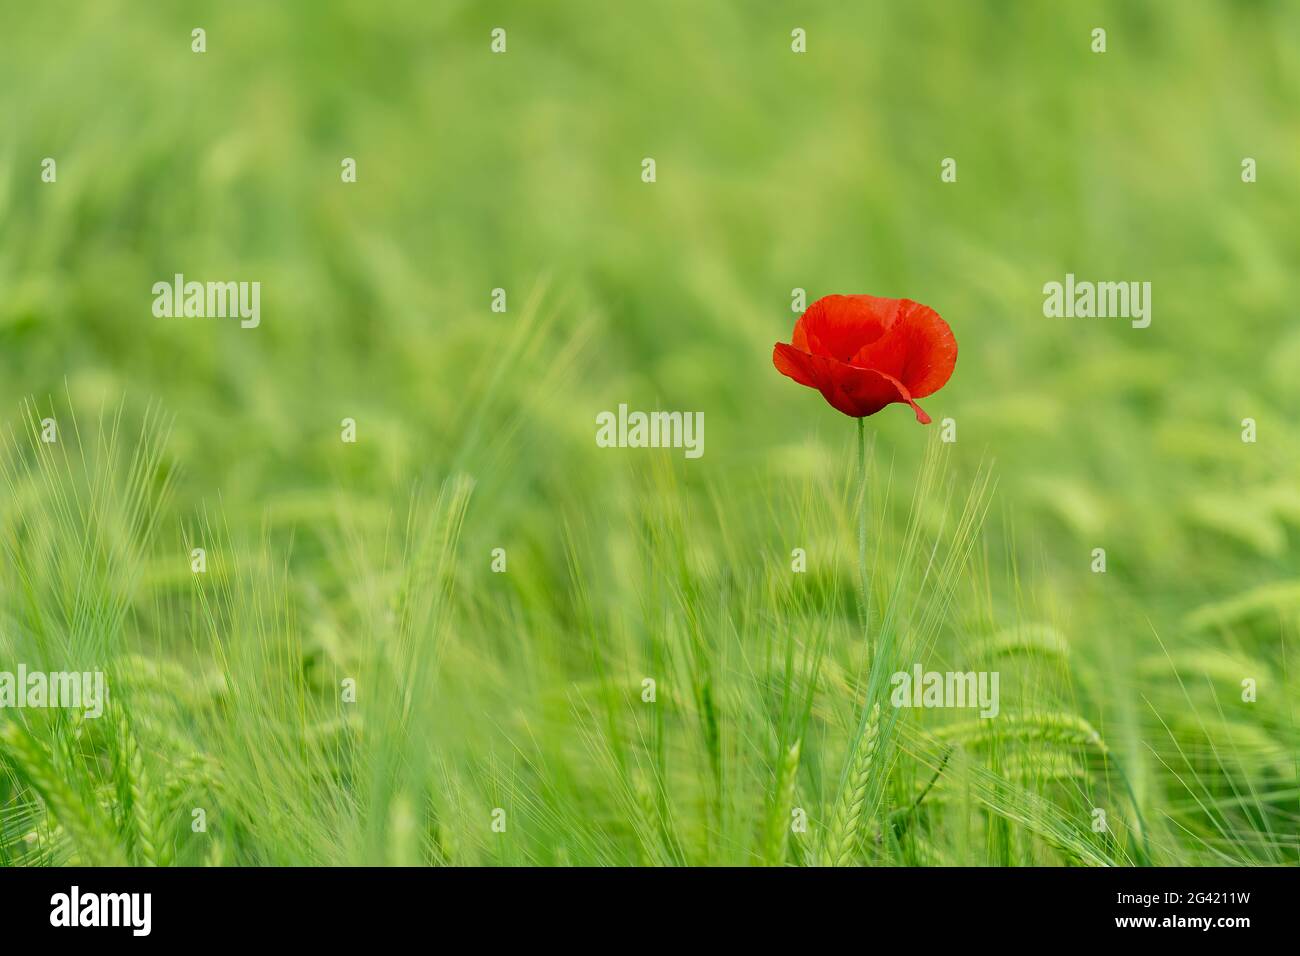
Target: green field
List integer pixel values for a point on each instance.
(348, 680)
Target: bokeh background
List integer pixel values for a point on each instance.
(775, 170)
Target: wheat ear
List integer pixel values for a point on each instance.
(851, 806)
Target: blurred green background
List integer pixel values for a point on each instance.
(775, 170)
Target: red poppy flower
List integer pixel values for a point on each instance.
(863, 353)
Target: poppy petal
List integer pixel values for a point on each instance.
(793, 363)
(857, 392)
(919, 350)
(838, 326)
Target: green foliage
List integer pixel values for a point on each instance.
(522, 692)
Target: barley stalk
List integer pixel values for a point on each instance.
(403, 838)
(778, 821)
(648, 812)
(84, 824)
(193, 772)
(448, 847)
(216, 855)
(849, 809)
(135, 792)
(1052, 728)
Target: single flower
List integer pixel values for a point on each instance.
(863, 353)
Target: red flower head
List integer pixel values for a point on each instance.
(863, 353)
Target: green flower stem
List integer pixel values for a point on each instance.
(862, 530)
